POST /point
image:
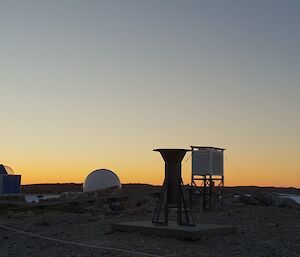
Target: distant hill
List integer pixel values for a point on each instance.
(54, 188)
(51, 188)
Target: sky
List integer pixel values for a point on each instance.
(100, 84)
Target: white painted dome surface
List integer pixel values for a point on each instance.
(9, 170)
(101, 179)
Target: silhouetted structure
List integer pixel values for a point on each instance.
(172, 198)
(9, 183)
(171, 195)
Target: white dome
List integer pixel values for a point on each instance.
(6, 170)
(9, 170)
(101, 179)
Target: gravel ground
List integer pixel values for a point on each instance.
(261, 231)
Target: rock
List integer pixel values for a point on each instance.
(42, 223)
(267, 199)
(13, 197)
(137, 200)
(229, 199)
(70, 195)
(92, 209)
(249, 200)
(23, 214)
(115, 205)
(289, 203)
(141, 211)
(106, 209)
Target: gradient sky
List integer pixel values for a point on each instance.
(99, 84)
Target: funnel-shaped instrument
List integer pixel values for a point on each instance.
(171, 194)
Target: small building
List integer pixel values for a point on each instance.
(9, 183)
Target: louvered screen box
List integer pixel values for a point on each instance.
(207, 161)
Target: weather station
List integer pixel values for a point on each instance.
(172, 198)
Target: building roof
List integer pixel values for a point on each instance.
(207, 147)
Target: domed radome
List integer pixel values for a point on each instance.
(101, 179)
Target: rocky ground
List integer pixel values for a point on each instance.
(266, 226)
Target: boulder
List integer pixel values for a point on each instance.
(268, 199)
(140, 211)
(248, 199)
(134, 201)
(289, 203)
(106, 209)
(23, 214)
(115, 205)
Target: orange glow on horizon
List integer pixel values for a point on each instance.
(142, 165)
(152, 175)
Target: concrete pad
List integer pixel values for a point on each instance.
(174, 230)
